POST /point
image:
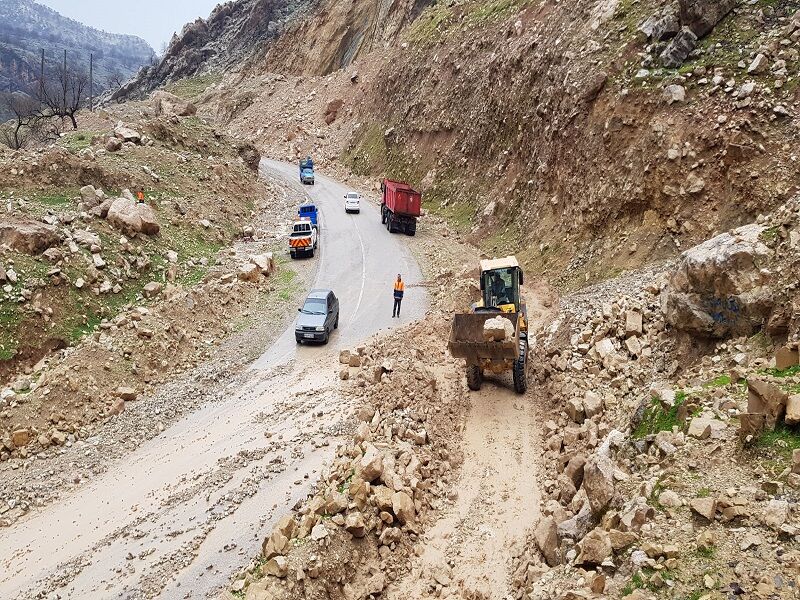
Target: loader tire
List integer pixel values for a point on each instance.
(474, 378)
(521, 373)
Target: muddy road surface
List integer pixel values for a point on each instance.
(179, 515)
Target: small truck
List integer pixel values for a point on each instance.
(307, 171)
(400, 207)
(303, 239)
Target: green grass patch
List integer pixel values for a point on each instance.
(769, 235)
(431, 25)
(637, 582)
(783, 439)
(703, 492)
(89, 325)
(372, 154)
(789, 372)
(285, 284)
(707, 553)
(720, 381)
(493, 10)
(77, 140)
(657, 419)
(194, 276)
(193, 87)
(10, 318)
(55, 199)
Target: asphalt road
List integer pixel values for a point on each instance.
(187, 509)
(358, 259)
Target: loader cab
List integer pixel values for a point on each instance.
(500, 285)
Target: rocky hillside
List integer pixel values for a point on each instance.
(232, 34)
(257, 36)
(336, 34)
(583, 117)
(27, 27)
(629, 130)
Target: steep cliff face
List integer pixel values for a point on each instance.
(27, 27)
(298, 36)
(231, 35)
(336, 34)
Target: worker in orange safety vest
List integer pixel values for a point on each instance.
(399, 288)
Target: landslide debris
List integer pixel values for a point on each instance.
(669, 452)
(103, 298)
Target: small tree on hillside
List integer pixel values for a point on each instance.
(21, 128)
(115, 80)
(64, 94)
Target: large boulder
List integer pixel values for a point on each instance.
(679, 49)
(595, 548)
(598, 483)
(126, 134)
(546, 536)
(28, 236)
(718, 289)
(766, 399)
(701, 16)
(170, 105)
(131, 218)
(249, 154)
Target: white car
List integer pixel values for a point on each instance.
(352, 202)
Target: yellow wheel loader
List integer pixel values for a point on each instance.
(500, 296)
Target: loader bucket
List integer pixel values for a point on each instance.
(467, 341)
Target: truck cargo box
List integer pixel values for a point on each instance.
(402, 199)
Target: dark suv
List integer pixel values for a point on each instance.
(318, 317)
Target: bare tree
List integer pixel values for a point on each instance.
(115, 80)
(64, 95)
(19, 130)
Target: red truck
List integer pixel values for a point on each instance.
(400, 207)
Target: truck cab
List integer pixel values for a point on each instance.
(500, 285)
(303, 239)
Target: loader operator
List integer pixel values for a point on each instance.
(498, 287)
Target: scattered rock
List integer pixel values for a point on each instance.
(705, 507)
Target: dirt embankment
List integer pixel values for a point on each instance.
(103, 299)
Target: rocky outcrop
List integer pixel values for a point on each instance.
(701, 16)
(249, 155)
(718, 288)
(232, 33)
(28, 236)
(338, 33)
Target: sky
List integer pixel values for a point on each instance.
(153, 20)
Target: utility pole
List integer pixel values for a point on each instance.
(91, 82)
(41, 79)
(64, 86)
